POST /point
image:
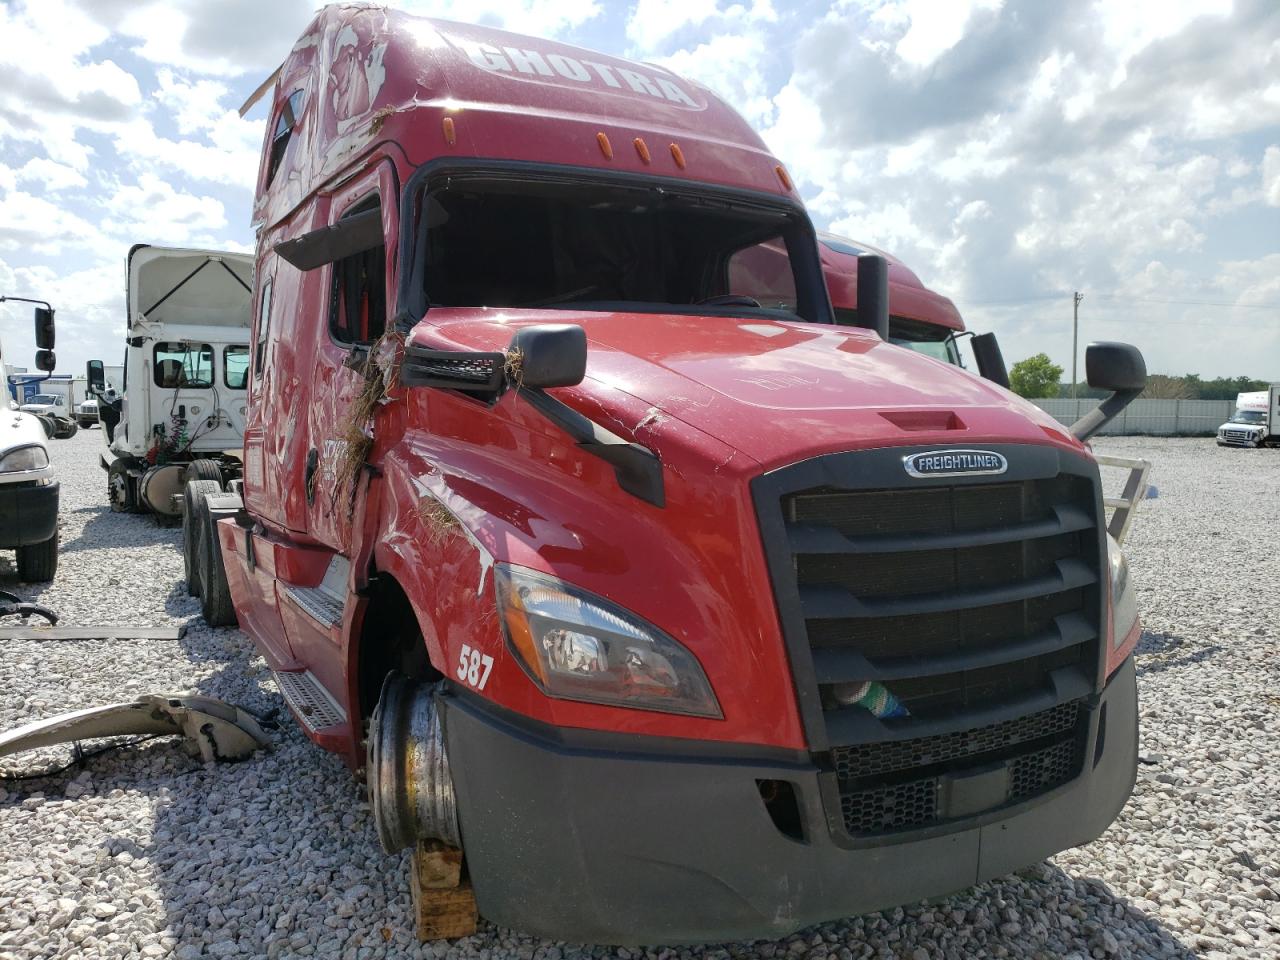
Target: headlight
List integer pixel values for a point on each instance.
(1124, 605)
(24, 458)
(578, 646)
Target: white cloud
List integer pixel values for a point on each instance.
(152, 211)
(1271, 176)
(52, 175)
(35, 225)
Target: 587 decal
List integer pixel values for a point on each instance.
(473, 667)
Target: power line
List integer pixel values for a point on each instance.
(1127, 299)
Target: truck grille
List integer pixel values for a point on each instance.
(974, 603)
(1238, 436)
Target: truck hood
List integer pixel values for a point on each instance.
(776, 391)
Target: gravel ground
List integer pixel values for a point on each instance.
(146, 852)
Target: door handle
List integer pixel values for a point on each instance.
(309, 477)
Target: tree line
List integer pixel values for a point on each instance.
(1038, 377)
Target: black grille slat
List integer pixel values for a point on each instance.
(842, 664)
(975, 604)
(827, 602)
(819, 540)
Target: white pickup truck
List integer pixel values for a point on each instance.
(28, 490)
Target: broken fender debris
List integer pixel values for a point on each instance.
(221, 731)
(103, 632)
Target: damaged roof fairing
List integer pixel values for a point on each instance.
(370, 74)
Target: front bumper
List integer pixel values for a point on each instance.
(667, 842)
(28, 513)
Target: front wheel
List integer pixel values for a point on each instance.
(38, 562)
(122, 490)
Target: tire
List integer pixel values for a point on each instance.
(204, 469)
(47, 423)
(192, 531)
(38, 562)
(70, 430)
(215, 592)
(122, 491)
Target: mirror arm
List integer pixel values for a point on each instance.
(638, 469)
(1104, 413)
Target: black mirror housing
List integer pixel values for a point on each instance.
(548, 355)
(1118, 367)
(986, 351)
(45, 361)
(96, 376)
(44, 328)
(1114, 366)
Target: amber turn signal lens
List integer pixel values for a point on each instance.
(605, 146)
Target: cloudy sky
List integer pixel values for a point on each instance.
(1010, 151)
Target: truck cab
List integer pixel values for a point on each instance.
(576, 524)
(184, 392)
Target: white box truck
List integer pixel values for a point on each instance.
(1256, 422)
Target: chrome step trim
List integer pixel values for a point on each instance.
(314, 706)
(318, 603)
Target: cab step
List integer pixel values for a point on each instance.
(313, 705)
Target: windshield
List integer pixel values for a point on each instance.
(1248, 416)
(47, 398)
(494, 242)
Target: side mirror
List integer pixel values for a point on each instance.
(44, 329)
(550, 355)
(1118, 367)
(986, 351)
(1115, 366)
(45, 361)
(96, 375)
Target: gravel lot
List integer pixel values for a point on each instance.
(146, 852)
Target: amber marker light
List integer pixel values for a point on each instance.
(642, 148)
(450, 134)
(783, 176)
(677, 155)
(605, 146)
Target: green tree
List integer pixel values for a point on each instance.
(1035, 377)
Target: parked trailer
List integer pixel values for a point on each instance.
(628, 580)
(179, 412)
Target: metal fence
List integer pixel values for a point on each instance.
(1168, 417)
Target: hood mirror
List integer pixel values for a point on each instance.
(548, 355)
(45, 361)
(1118, 367)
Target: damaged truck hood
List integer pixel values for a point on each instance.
(776, 391)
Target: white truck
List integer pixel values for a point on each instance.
(1256, 422)
(28, 490)
(179, 412)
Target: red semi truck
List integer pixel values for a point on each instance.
(576, 525)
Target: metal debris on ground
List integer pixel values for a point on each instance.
(219, 730)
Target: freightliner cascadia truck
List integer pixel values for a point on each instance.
(647, 600)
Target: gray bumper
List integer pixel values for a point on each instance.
(663, 842)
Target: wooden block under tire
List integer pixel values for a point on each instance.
(444, 905)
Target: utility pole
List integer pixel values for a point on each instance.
(1075, 337)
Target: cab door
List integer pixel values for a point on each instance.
(360, 290)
